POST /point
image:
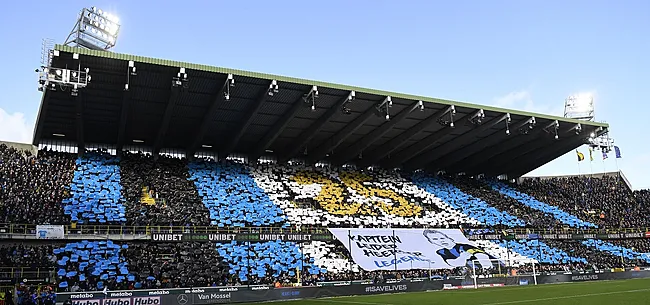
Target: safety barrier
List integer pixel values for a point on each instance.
(30, 229)
(244, 294)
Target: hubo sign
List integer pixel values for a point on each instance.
(404, 249)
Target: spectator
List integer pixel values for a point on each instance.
(32, 187)
(605, 201)
(177, 203)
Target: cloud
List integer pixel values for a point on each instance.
(15, 128)
(523, 100)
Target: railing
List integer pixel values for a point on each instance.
(30, 229)
(21, 273)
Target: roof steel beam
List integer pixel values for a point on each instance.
(426, 158)
(40, 120)
(274, 132)
(169, 109)
(334, 141)
(544, 157)
(358, 147)
(310, 132)
(507, 160)
(396, 142)
(410, 152)
(124, 115)
(485, 156)
(215, 102)
(450, 160)
(79, 114)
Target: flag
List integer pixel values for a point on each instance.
(591, 154)
(604, 155)
(580, 156)
(105, 291)
(617, 151)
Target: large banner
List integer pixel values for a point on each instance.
(403, 249)
(49, 232)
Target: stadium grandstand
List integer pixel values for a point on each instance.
(158, 174)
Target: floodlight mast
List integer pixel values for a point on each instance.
(95, 29)
(579, 107)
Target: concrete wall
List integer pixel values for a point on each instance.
(22, 146)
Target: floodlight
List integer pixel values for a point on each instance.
(579, 106)
(95, 29)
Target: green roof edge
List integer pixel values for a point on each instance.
(200, 67)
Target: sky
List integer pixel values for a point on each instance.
(527, 55)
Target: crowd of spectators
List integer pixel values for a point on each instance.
(533, 218)
(170, 265)
(32, 187)
(166, 178)
(597, 259)
(606, 201)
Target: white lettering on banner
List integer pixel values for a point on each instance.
(214, 296)
(404, 249)
(82, 296)
(586, 277)
(194, 290)
(387, 288)
(229, 289)
(167, 237)
(158, 292)
(86, 302)
(146, 301)
(122, 301)
(260, 288)
(121, 294)
(221, 237)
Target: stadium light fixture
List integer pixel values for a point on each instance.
(452, 112)
(311, 97)
(580, 106)
(578, 128)
(273, 88)
(95, 29)
(477, 118)
(138, 141)
(58, 135)
(230, 83)
(384, 106)
(180, 80)
(206, 146)
(349, 99)
(421, 105)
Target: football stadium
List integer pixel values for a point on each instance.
(158, 182)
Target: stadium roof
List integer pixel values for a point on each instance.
(253, 123)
